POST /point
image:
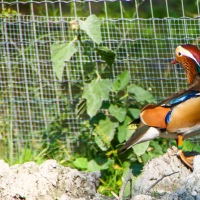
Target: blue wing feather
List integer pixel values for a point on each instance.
(178, 100)
(182, 98)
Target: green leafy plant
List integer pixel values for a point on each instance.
(111, 108)
(110, 104)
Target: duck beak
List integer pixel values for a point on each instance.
(174, 61)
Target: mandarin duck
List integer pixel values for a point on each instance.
(178, 116)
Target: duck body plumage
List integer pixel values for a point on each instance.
(179, 114)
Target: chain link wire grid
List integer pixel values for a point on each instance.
(32, 98)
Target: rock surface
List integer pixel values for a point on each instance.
(157, 168)
(51, 181)
(185, 184)
(48, 181)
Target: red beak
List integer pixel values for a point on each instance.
(174, 61)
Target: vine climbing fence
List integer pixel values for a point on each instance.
(143, 34)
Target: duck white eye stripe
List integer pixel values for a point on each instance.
(187, 53)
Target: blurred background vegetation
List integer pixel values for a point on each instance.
(161, 9)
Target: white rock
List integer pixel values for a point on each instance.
(159, 167)
(48, 181)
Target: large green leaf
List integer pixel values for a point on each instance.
(123, 131)
(140, 149)
(94, 166)
(187, 145)
(95, 93)
(104, 133)
(140, 94)
(106, 54)
(121, 81)
(81, 163)
(118, 112)
(60, 54)
(92, 28)
(134, 112)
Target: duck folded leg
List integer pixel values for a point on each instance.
(188, 160)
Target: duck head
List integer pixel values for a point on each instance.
(189, 57)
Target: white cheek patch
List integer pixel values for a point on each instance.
(185, 52)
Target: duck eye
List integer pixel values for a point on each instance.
(179, 53)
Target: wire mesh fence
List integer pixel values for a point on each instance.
(31, 97)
